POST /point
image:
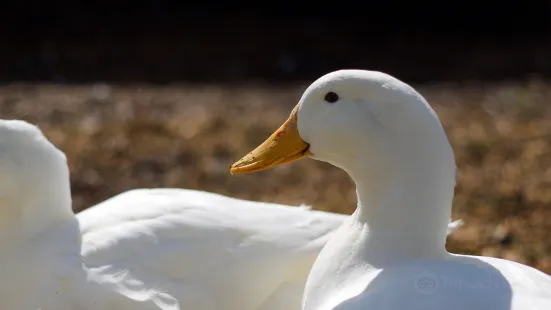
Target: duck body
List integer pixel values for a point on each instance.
(457, 281)
(208, 251)
(168, 249)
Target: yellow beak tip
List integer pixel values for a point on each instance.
(239, 166)
(233, 168)
(237, 169)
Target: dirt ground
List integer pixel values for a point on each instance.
(123, 137)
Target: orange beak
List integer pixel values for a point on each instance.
(283, 146)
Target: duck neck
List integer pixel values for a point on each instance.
(52, 213)
(33, 216)
(405, 209)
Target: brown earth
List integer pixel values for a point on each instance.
(124, 137)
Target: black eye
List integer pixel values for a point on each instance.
(331, 97)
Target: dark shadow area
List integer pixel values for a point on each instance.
(469, 283)
(165, 41)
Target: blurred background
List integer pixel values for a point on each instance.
(161, 94)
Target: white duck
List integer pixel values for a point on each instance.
(390, 254)
(144, 249)
(40, 262)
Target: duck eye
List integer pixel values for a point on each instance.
(331, 97)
